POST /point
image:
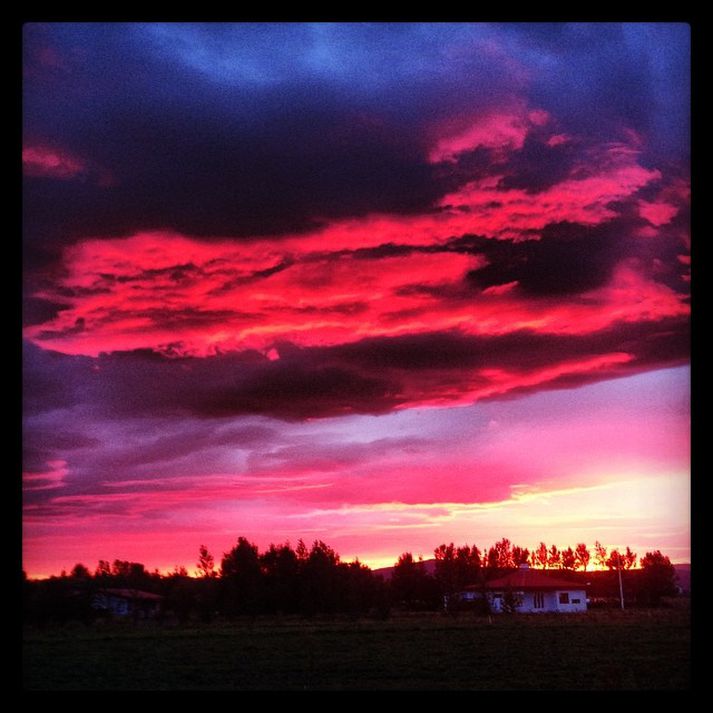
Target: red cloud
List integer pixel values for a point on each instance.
(132, 293)
(374, 276)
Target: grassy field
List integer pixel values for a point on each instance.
(599, 650)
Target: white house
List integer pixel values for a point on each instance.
(530, 591)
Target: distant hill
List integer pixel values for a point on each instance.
(386, 572)
(683, 572)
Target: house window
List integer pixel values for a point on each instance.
(564, 597)
(576, 601)
(538, 600)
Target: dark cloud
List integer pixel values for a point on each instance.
(598, 78)
(167, 448)
(570, 258)
(204, 129)
(51, 380)
(42, 444)
(145, 383)
(193, 180)
(207, 160)
(37, 311)
(567, 259)
(295, 455)
(538, 166)
(520, 351)
(372, 376)
(299, 391)
(211, 131)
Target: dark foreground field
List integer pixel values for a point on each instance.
(599, 650)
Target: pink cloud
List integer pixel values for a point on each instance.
(607, 472)
(49, 162)
(44, 161)
(557, 140)
(496, 130)
(673, 197)
(512, 213)
(47, 480)
(657, 214)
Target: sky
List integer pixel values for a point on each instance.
(383, 285)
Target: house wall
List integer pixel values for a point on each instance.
(577, 601)
(550, 602)
(118, 606)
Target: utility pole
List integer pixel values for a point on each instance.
(621, 588)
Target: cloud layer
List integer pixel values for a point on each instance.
(221, 244)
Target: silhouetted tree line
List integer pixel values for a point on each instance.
(311, 581)
(303, 580)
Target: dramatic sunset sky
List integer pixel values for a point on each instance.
(386, 286)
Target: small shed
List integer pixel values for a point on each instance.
(530, 591)
(128, 602)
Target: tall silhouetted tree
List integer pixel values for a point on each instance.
(520, 555)
(206, 562)
(79, 571)
(628, 559)
(404, 579)
(320, 579)
(301, 551)
(411, 586)
(456, 567)
(554, 558)
(503, 554)
(542, 557)
(359, 589)
(103, 569)
(468, 565)
(658, 578)
(120, 568)
(491, 559)
(180, 592)
(130, 574)
(569, 559)
(281, 570)
(207, 591)
(583, 556)
(615, 560)
(240, 572)
(445, 569)
(600, 554)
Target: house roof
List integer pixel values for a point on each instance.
(522, 579)
(132, 594)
